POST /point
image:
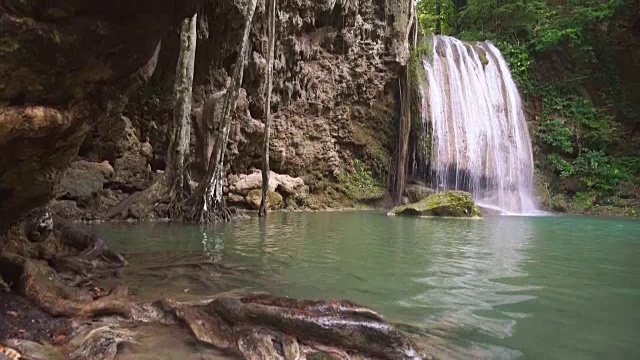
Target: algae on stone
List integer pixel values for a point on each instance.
(274, 200)
(449, 204)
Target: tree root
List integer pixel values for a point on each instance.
(43, 286)
(261, 326)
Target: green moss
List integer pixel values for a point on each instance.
(416, 70)
(274, 200)
(449, 204)
(359, 184)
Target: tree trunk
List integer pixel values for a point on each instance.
(404, 132)
(267, 111)
(181, 127)
(404, 84)
(207, 202)
(438, 17)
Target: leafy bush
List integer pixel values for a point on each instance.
(563, 167)
(520, 62)
(555, 133)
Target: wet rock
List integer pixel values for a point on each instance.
(99, 342)
(22, 319)
(83, 178)
(448, 203)
(67, 209)
(274, 200)
(112, 139)
(54, 100)
(146, 150)
(131, 173)
(34, 351)
(416, 192)
(287, 184)
(246, 183)
(236, 199)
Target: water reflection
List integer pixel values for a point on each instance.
(212, 244)
(471, 275)
(468, 289)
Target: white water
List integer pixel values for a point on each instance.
(480, 141)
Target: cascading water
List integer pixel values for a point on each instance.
(480, 141)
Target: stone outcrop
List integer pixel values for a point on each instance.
(416, 192)
(447, 204)
(245, 190)
(83, 179)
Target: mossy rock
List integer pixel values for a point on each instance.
(449, 204)
(416, 192)
(274, 200)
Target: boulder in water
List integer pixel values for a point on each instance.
(417, 192)
(450, 204)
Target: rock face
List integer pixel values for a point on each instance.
(449, 204)
(65, 66)
(70, 71)
(284, 191)
(416, 192)
(82, 179)
(334, 85)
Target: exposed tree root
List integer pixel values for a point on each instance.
(260, 326)
(40, 245)
(44, 287)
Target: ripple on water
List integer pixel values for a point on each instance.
(503, 287)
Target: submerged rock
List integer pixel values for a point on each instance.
(449, 204)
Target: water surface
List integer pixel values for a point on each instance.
(505, 287)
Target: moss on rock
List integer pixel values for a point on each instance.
(359, 184)
(449, 203)
(274, 200)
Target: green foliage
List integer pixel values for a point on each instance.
(563, 167)
(597, 170)
(571, 120)
(557, 50)
(554, 132)
(429, 16)
(570, 25)
(419, 53)
(359, 184)
(520, 62)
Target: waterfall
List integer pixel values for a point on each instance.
(480, 142)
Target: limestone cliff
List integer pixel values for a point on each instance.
(71, 69)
